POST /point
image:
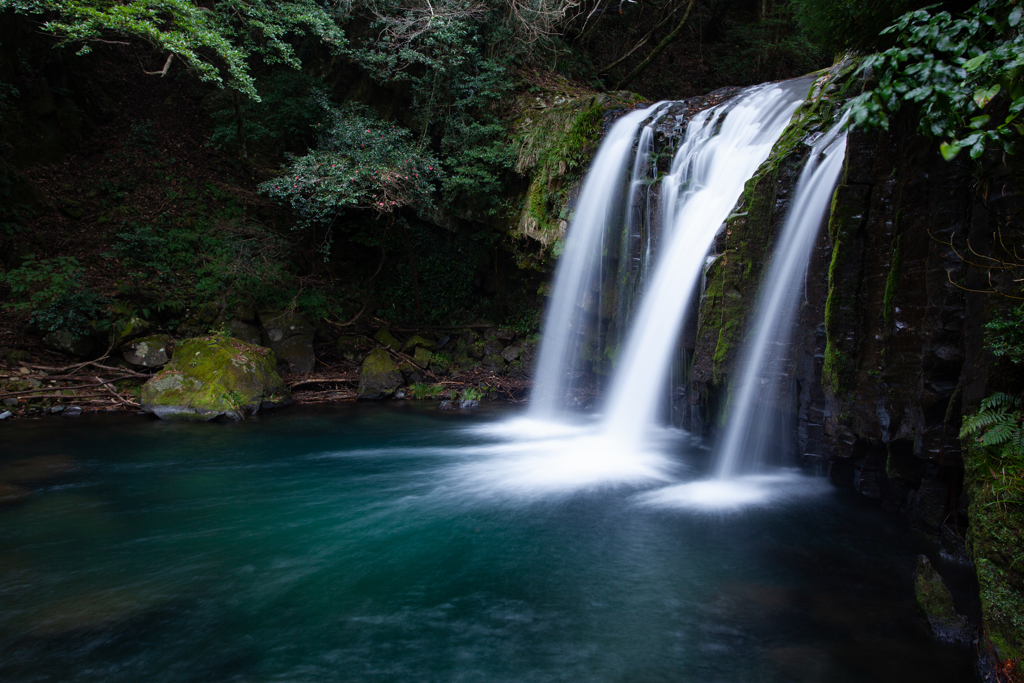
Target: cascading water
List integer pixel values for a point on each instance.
(748, 431)
(603, 192)
(723, 148)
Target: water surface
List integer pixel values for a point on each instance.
(403, 543)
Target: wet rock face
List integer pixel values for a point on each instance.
(290, 337)
(215, 377)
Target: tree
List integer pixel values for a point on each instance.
(964, 74)
(215, 42)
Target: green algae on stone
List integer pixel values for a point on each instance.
(379, 377)
(215, 377)
(935, 603)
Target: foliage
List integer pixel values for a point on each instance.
(284, 118)
(361, 162)
(1004, 335)
(770, 49)
(839, 24)
(446, 267)
(963, 73)
(997, 427)
(473, 394)
(55, 294)
(426, 391)
(213, 41)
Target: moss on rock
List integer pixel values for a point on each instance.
(379, 377)
(935, 603)
(995, 538)
(215, 377)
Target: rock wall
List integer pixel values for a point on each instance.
(889, 350)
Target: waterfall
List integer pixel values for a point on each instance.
(603, 192)
(748, 432)
(722, 149)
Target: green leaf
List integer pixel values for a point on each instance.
(983, 96)
(980, 121)
(972, 64)
(1015, 16)
(949, 150)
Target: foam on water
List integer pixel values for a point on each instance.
(736, 494)
(535, 458)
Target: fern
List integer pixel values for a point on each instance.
(998, 426)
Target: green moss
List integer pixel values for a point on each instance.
(555, 145)
(212, 377)
(996, 541)
(892, 282)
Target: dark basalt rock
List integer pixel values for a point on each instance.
(290, 337)
(69, 343)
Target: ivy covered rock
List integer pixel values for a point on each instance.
(290, 336)
(379, 376)
(215, 377)
(147, 352)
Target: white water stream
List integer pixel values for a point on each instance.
(723, 148)
(747, 431)
(603, 192)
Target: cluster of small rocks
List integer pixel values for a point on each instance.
(388, 363)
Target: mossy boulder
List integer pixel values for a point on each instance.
(379, 376)
(385, 337)
(935, 603)
(147, 352)
(493, 363)
(290, 337)
(215, 377)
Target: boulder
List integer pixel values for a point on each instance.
(147, 352)
(511, 353)
(385, 338)
(417, 341)
(469, 404)
(422, 357)
(130, 328)
(243, 331)
(215, 377)
(493, 363)
(290, 337)
(935, 603)
(446, 405)
(66, 342)
(379, 376)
